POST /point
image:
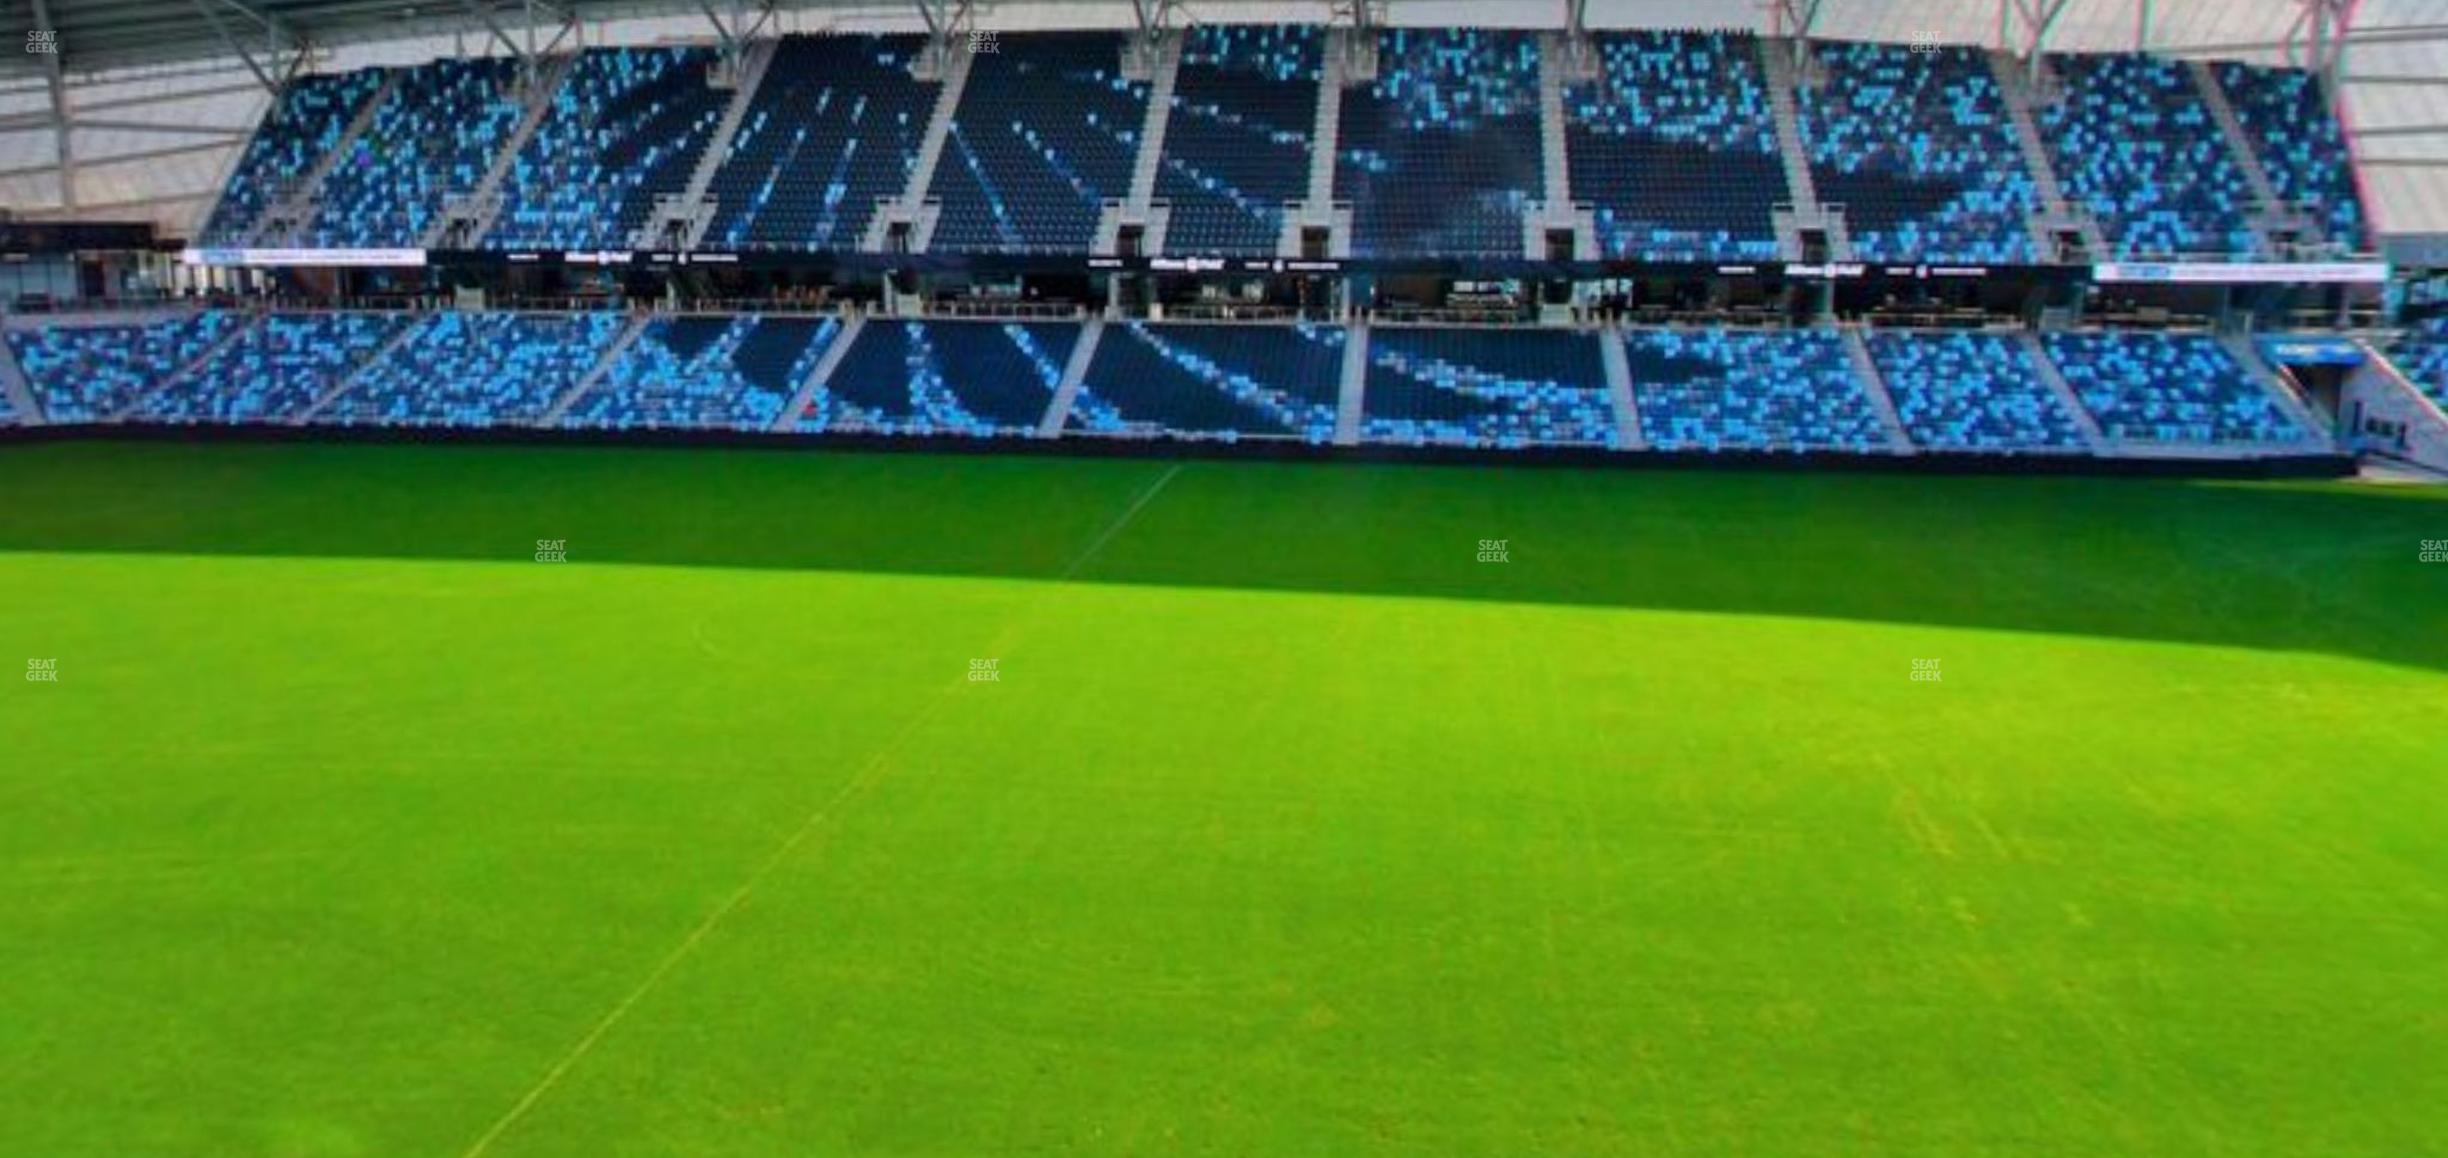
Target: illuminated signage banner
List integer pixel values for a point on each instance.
(2241, 273)
(299, 257)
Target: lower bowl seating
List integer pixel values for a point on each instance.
(1491, 388)
(941, 377)
(1972, 392)
(477, 370)
(89, 373)
(275, 371)
(1745, 390)
(712, 372)
(1222, 381)
(2168, 388)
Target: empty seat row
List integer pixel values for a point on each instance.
(705, 372)
(972, 379)
(1486, 388)
(1972, 392)
(474, 370)
(89, 373)
(1674, 145)
(1236, 144)
(2169, 388)
(1918, 147)
(1749, 390)
(1442, 154)
(1212, 381)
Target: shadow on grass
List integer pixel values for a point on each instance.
(2286, 566)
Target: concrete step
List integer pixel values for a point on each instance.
(754, 60)
(956, 67)
(1874, 383)
(1776, 56)
(1352, 393)
(1618, 366)
(1144, 169)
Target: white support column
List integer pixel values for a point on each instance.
(820, 373)
(1075, 371)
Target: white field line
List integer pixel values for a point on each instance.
(869, 774)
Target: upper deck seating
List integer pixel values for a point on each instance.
(1675, 145)
(1441, 155)
(626, 125)
(306, 123)
(1047, 132)
(432, 138)
(1236, 144)
(834, 128)
(2300, 144)
(2133, 143)
(1918, 146)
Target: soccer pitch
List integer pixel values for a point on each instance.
(1286, 824)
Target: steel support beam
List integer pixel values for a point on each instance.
(64, 153)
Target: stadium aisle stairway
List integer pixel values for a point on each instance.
(1972, 392)
(476, 370)
(89, 373)
(275, 371)
(2168, 388)
(1047, 132)
(834, 127)
(1917, 145)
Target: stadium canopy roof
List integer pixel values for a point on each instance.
(151, 85)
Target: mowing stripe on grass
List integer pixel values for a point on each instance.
(869, 775)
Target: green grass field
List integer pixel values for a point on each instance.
(348, 828)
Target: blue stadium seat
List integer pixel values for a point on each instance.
(2133, 143)
(1675, 145)
(1442, 154)
(1749, 390)
(1236, 144)
(1486, 387)
(431, 138)
(1917, 145)
(1047, 132)
(974, 379)
(2300, 144)
(1972, 392)
(275, 371)
(2168, 388)
(714, 372)
(466, 369)
(88, 373)
(834, 127)
(626, 125)
(2422, 356)
(1219, 381)
(306, 123)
